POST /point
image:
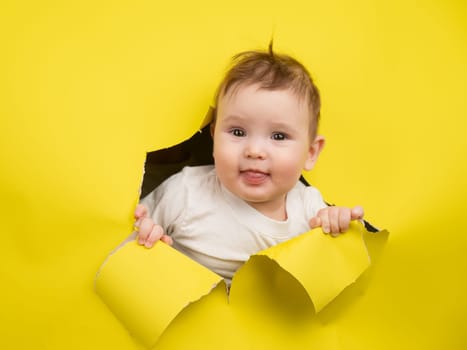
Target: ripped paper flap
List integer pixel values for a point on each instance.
(147, 288)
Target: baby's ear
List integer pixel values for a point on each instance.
(313, 152)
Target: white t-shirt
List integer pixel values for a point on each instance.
(216, 228)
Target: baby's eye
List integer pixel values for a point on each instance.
(279, 136)
(237, 132)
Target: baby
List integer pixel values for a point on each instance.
(264, 133)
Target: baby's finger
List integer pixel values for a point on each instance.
(357, 213)
(315, 222)
(140, 211)
(145, 227)
(333, 214)
(167, 239)
(156, 234)
(324, 218)
(344, 219)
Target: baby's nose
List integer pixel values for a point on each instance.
(255, 150)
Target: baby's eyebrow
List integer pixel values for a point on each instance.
(234, 118)
(278, 126)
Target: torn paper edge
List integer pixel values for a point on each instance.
(190, 301)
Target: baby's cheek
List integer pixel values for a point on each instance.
(291, 164)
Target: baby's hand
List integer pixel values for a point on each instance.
(148, 232)
(335, 220)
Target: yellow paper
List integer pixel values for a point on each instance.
(147, 288)
(324, 265)
(88, 87)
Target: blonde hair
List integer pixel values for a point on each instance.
(272, 71)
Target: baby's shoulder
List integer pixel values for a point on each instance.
(306, 199)
(191, 178)
(197, 174)
(308, 196)
(187, 183)
(302, 190)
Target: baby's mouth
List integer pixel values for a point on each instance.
(254, 177)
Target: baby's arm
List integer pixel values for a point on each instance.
(148, 232)
(336, 220)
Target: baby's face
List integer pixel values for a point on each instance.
(262, 142)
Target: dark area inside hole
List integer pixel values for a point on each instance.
(163, 163)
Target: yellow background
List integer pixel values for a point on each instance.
(87, 88)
